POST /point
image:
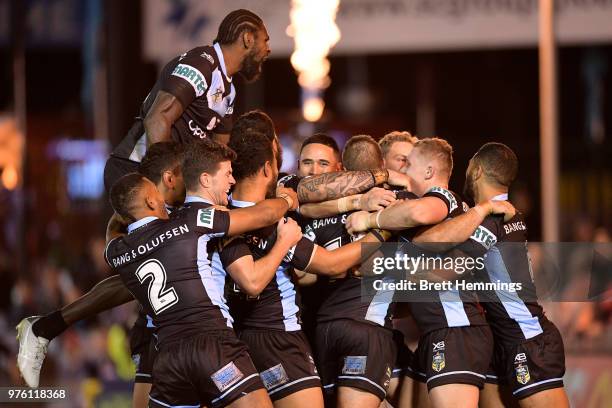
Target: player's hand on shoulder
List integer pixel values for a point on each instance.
(397, 178)
(282, 192)
(376, 199)
(503, 207)
(358, 222)
(289, 231)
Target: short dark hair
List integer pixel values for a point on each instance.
(499, 163)
(254, 120)
(161, 157)
(123, 194)
(203, 156)
(235, 23)
(322, 138)
(252, 152)
(361, 152)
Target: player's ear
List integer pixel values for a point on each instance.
(267, 169)
(429, 172)
(247, 39)
(168, 179)
(205, 180)
(478, 172)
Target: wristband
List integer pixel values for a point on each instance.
(380, 176)
(377, 219)
(343, 205)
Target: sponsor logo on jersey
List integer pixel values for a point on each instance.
(208, 57)
(227, 376)
(515, 226)
(438, 361)
(273, 377)
(450, 198)
(312, 363)
(193, 76)
(217, 96)
(183, 55)
(196, 130)
(206, 217)
(229, 110)
(354, 365)
(484, 237)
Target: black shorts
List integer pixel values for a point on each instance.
(404, 358)
(355, 354)
(453, 355)
(115, 168)
(283, 359)
(212, 369)
(532, 366)
(144, 350)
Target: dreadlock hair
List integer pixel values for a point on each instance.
(235, 23)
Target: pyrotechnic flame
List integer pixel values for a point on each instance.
(314, 32)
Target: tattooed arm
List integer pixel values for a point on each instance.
(330, 186)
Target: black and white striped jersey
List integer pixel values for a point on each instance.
(199, 80)
(277, 307)
(443, 308)
(166, 264)
(514, 315)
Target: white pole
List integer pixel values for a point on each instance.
(549, 140)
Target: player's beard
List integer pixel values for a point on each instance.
(469, 189)
(251, 68)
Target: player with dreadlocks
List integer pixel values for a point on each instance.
(194, 95)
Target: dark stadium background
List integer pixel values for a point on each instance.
(478, 96)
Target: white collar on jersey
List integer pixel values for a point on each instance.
(500, 197)
(241, 204)
(217, 48)
(196, 199)
(140, 223)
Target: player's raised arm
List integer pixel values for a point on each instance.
(262, 214)
(374, 200)
(329, 186)
(336, 262)
(460, 228)
(166, 109)
(253, 276)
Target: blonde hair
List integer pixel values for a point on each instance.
(434, 148)
(396, 136)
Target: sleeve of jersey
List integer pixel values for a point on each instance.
(233, 249)
(486, 235)
(290, 181)
(299, 256)
(189, 80)
(447, 197)
(212, 221)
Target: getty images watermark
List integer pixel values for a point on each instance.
(500, 272)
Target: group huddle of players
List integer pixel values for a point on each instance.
(248, 286)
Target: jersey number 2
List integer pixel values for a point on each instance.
(160, 297)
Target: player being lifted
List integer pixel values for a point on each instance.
(194, 95)
(529, 356)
